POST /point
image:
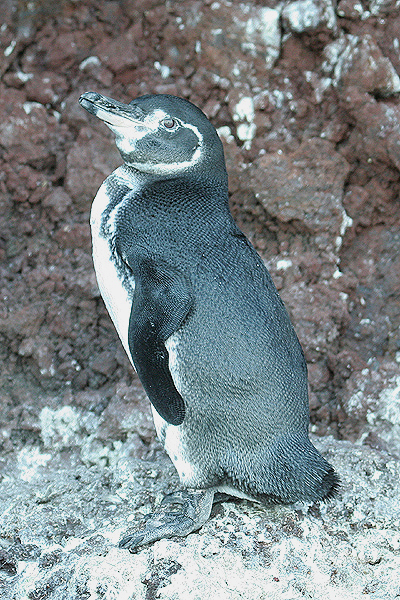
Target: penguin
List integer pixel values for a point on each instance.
(200, 319)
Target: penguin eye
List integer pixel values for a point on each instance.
(169, 123)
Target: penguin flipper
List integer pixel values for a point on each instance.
(161, 302)
(178, 514)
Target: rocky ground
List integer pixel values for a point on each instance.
(305, 95)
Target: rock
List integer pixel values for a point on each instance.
(104, 363)
(382, 7)
(374, 134)
(351, 9)
(93, 67)
(247, 32)
(74, 236)
(262, 33)
(304, 187)
(22, 319)
(123, 52)
(243, 113)
(24, 133)
(393, 146)
(307, 15)
(46, 88)
(66, 427)
(58, 202)
(358, 61)
(91, 159)
(63, 50)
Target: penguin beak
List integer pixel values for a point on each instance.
(113, 113)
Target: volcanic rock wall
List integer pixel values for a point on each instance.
(305, 96)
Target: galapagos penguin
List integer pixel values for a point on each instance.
(200, 319)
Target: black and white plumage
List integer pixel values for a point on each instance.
(199, 317)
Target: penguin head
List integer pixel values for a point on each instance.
(160, 134)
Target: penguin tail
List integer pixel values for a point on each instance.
(330, 484)
(294, 471)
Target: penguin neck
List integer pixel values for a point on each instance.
(214, 175)
(211, 184)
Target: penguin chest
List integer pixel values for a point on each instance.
(115, 283)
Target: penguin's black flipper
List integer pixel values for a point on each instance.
(161, 302)
(178, 514)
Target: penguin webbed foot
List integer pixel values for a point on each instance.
(178, 514)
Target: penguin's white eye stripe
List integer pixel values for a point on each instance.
(196, 131)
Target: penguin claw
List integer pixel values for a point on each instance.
(131, 542)
(178, 514)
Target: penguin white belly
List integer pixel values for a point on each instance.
(172, 436)
(117, 293)
(173, 441)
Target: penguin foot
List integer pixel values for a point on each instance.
(178, 514)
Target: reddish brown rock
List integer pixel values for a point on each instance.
(46, 88)
(28, 133)
(90, 160)
(305, 187)
(74, 236)
(359, 61)
(122, 52)
(58, 202)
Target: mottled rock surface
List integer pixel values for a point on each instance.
(305, 95)
(69, 500)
